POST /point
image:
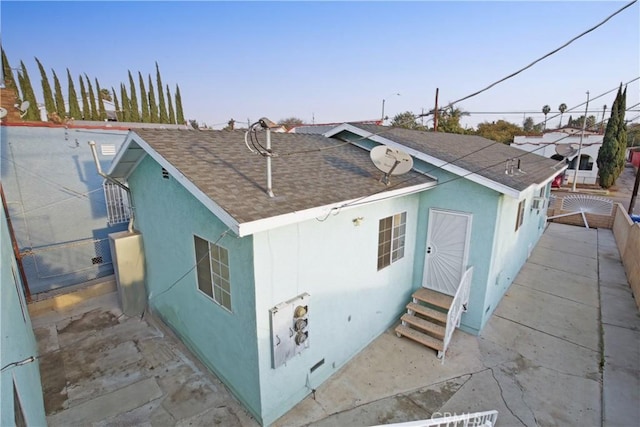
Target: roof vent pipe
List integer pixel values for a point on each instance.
(92, 145)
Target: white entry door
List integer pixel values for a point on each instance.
(447, 250)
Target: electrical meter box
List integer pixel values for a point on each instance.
(289, 329)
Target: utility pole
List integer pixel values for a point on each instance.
(577, 163)
(435, 113)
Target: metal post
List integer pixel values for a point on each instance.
(269, 190)
(382, 118)
(577, 165)
(435, 113)
(16, 250)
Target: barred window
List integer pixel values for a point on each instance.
(117, 200)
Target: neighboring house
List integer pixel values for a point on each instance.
(22, 403)
(321, 128)
(562, 144)
(62, 211)
(275, 294)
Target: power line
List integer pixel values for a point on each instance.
(541, 58)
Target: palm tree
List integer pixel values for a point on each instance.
(562, 108)
(545, 111)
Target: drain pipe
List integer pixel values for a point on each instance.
(92, 145)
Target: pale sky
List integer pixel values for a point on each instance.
(337, 61)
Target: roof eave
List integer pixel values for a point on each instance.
(216, 209)
(265, 224)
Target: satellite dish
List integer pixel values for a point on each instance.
(3, 113)
(567, 150)
(23, 108)
(391, 161)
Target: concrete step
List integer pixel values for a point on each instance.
(428, 312)
(429, 328)
(424, 339)
(434, 298)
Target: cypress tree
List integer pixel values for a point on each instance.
(49, 103)
(9, 81)
(126, 105)
(92, 100)
(144, 101)
(622, 133)
(153, 107)
(116, 105)
(86, 111)
(179, 113)
(133, 101)
(608, 152)
(32, 113)
(172, 114)
(161, 105)
(74, 107)
(102, 112)
(60, 108)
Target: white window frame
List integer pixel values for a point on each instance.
(213, 274)
(117, 202)
(392, 231)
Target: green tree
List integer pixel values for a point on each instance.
(102, 112)
(545, 110)
(577, 123)
(153, 106)
(621, 135)
(49, 103)
(92, 100)
(161, 105)
(179, 113)
(60, 107)
(133, 100)
(406, 120)
(144, 100)
(32, 113)
(105, 94)
(172, 114)
(290, 122)
(86, 110)
(449, 120)
(9, 81)
(74, 107)
(116, 105)
(608, 153)
(500, 131)
(126, 105)
(562, 108)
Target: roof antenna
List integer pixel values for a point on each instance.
(268, 125)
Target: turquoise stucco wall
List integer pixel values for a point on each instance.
(512, 248)
(350, 304)
(18, 343)
(168, 217)
(461, 195)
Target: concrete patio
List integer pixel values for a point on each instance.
(538, 361)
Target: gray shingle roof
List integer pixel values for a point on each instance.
(324, 171)
(474, 154)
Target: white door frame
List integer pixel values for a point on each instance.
(467, 243)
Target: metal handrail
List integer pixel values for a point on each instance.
(458, 306)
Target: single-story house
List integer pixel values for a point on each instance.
(275, 293)
(561, 144)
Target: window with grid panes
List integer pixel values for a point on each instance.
(213, 271)
(391, 239)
